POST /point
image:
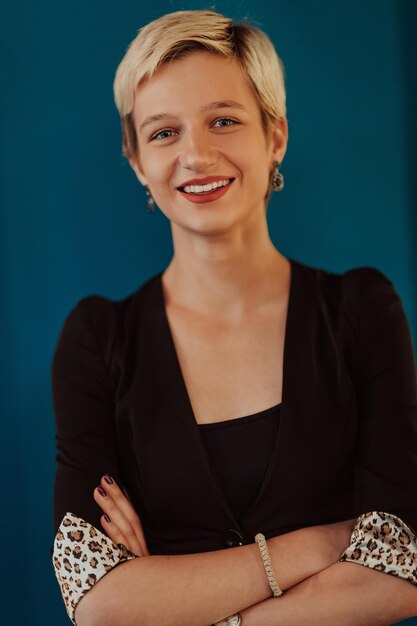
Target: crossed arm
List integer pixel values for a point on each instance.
(199, 589)
(346, 594)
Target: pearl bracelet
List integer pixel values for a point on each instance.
(261, 541)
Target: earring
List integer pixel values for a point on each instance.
(277, 179)
(150, 202)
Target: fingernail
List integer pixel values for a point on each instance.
(101, 491)
(106, 517)
(108, 479)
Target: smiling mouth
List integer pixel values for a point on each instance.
(207, 188)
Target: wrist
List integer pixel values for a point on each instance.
(299, 554)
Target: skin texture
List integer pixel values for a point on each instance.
(346, 594)
(199, 589)
(227, 282)
(124, 525)
(191, 142)
(224, 262)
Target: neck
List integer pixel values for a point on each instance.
(226, 280)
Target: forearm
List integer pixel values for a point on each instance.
(346, 594)
(197, 589)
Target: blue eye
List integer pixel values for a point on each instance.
(162, 134)
(229, 122)
(167, 133)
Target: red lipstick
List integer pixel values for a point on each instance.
(206, 196)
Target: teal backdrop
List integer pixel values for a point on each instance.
(73, 220)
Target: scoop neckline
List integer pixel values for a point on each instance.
(239, 420)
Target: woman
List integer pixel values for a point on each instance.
(184, 428)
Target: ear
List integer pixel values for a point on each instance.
(279, 139)
(137, 168)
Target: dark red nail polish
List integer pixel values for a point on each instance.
(106, 517)
(101, 491)
(109, 480)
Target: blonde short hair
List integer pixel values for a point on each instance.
(180, 33)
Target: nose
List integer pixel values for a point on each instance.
(197, 151)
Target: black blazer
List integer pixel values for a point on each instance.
(347, 439)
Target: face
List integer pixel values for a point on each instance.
(203, 151)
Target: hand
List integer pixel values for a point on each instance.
(122, 524)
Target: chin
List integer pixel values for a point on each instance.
(209, 223)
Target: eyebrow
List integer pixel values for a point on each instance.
(218, 104)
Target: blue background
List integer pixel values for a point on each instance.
(73, 219)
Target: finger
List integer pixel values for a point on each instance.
(111, 530)
(112, 506)
(141, 534)
(125, 505)
(141, 537)
(109, 484)
(116, 535)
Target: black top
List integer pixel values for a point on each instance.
(347, 437)
(240, 451)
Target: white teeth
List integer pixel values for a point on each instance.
(208, 187)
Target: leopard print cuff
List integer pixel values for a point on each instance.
(384, 542)
(82, 555)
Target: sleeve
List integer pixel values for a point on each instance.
(384, 537)
(83, 403)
